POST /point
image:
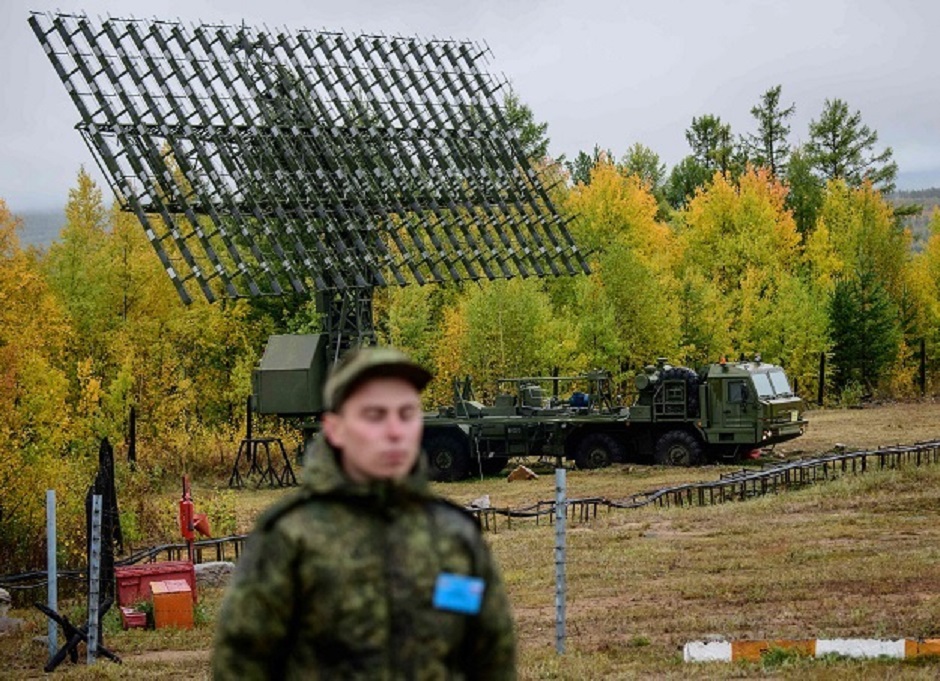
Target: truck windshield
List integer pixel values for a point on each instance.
(762, 385)
(772, 383)
(779, 381)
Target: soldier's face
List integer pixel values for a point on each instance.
(378, 428)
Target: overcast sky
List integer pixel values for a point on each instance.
(610, 72)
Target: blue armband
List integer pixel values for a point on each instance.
(458, 593)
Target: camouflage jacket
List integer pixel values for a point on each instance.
(336, 582)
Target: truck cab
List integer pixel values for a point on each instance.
(751, 404)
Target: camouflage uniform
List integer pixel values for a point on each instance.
(337, 580)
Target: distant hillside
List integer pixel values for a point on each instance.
(41, 228)
(918, 224)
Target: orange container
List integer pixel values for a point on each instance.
(172, 604)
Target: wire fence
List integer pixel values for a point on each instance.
(221, 548)
(747, 483)
(770, 478)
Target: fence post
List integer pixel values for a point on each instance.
(94, 573)
(52, 573)
(561, 515)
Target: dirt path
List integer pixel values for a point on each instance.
(169, 656)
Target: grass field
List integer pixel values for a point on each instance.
(855, 557)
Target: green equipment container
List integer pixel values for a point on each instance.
(289, 379)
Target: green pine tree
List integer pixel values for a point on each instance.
(711, 143)
(864, 330)
(686, 177)
(769, 146)
(533, 136)
(580, 169)
(806, 191)
(841, 147)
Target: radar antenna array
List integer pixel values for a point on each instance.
(310, 162)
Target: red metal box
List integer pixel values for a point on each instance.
(133, 581)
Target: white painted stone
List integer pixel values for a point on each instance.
(707, 651)
(860, 647)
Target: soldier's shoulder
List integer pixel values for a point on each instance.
(456, 516)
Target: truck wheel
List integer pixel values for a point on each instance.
(493, 465)
(448, 457)
(597, 451)
(678, 448)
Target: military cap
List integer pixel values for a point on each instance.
(359, 365)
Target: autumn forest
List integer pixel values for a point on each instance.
(747, 245)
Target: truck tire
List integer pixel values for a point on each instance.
(678, 448)
(597, 450)
(448, 457)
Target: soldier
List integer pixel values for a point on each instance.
(364, 573)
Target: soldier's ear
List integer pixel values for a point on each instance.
(333, 429)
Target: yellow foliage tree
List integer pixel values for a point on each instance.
(34, 415)
(186, 369)
(924, 282)
(495, 330)
(617, 207)
(33, 332)
(861, 232)
(733, 228)
(858, 234)
(741, 266)
(408, 319)
(447, 360)
(627, 313)
(77, 269)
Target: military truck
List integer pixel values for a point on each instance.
(469, 437)
(679, 417)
